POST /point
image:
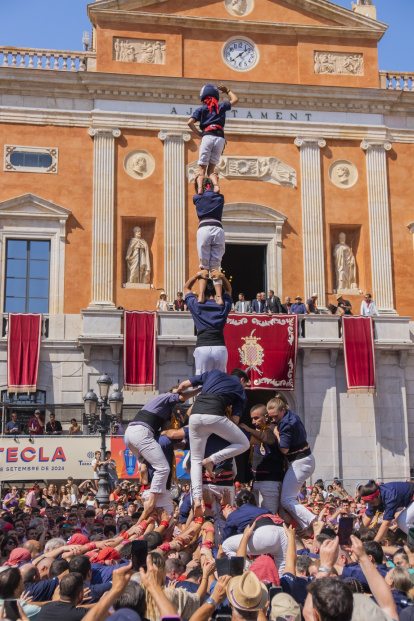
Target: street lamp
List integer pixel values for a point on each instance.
(103, 424)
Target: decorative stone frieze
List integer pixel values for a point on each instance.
(174, 210)
(145, 51)
(379, 223)
(103, 215)
(338, 63)
(268, 169)
(312, 220)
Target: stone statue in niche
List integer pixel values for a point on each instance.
(345, 266)
(138, 260)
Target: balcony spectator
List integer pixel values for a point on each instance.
(120, 428)
(36, 424)
(311, 305)
(11, 500)
(258, 305)
(162, 304)
(73, 490)
(179, 304)
(242, 305)
(74, 429)
(274, 305)
(368, 307)
(287, 305)
(53, 427)
(298, 307)
(13, 427)
(335, 310)
(345, 305)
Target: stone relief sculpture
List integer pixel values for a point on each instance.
(138, 260)
(268, 169)
(345, 266)
(339, 63)
(343, 174)
(139, 164)
(239, 8)
(139, 51)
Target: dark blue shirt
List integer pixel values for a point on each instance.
(185, 508)
(42, 591)
(163, 405)
(228, 386)
(240, 518)
(209, 314)
(209, 205)
(103, 573)
(295, 586)
(207, 118)
(13, 427)
(187, 585)
(394, 496)
(353, 570)
(298, 309)
(291, 431)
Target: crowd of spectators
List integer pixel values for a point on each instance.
(62, 554)
(38, 427)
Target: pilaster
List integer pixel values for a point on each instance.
(379, 223)
(103, 215)
(313, 237)
(174, 210)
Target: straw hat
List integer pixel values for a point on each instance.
(246, 592)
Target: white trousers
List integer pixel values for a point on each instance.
(406, 519)
(163, 501)
(296, 475)
(211, 149)
(201, 427)
(265, 540)
(211, 245)
(267, 494)
(210, 358)
(140, 441)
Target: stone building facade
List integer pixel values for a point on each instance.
(96, 143)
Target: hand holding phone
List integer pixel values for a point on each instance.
(345, 528)
(139, 553)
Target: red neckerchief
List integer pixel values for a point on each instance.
(180, 303)
(211, 102)
(367, 303)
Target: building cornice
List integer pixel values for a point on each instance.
(237, 26)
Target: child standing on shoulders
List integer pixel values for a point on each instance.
(212, 118)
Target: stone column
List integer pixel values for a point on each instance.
(379, 224)
(103, 215)
(313, 237)
(174, 210)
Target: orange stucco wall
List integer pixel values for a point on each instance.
(71, 188)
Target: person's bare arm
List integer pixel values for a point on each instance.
(149, 579)
(379, 588)
(120, 581)
(233, 97)
(184, 386)
(174, 434)
(267, 436)
(242, 549)
(208, 568)
(192, 125)
(193, 279)
(366, 520)
(290, 566)
(382, 531)
(218, 595)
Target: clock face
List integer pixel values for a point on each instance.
(240, 54)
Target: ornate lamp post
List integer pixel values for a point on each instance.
(103, 425)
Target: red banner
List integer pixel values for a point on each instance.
(359, 353)
(139, 349)
(23, 350)
(265, 346)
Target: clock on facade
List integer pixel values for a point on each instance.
(240, 54)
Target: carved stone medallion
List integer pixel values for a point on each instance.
(343, 174)
(139, 164)
(239, 8)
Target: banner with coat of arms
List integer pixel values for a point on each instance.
(265, 346)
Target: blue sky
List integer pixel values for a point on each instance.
(58, 24)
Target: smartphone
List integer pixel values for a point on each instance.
(410, 538)
(11, 610)
(230, 566)
(139, 555)
(99, 531)
(345, 528)
(52, 523)
(274, 590)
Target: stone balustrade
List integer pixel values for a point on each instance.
(5, 326)
(49, 60)
(397, 80)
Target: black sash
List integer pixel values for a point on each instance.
(209, 403)
(150, 419)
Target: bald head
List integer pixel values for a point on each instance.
(33, 546)
(43, 566)
(30, 573)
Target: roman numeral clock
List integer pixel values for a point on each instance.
(240, 53)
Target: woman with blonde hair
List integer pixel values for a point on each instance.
(162, 304)
(398, 579)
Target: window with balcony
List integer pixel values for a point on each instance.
(27, 276)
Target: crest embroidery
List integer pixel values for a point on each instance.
(251, 353)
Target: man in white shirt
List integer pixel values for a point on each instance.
(368, 307)
(242, 305)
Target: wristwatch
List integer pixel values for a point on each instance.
(325, 570)
(211, 601)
